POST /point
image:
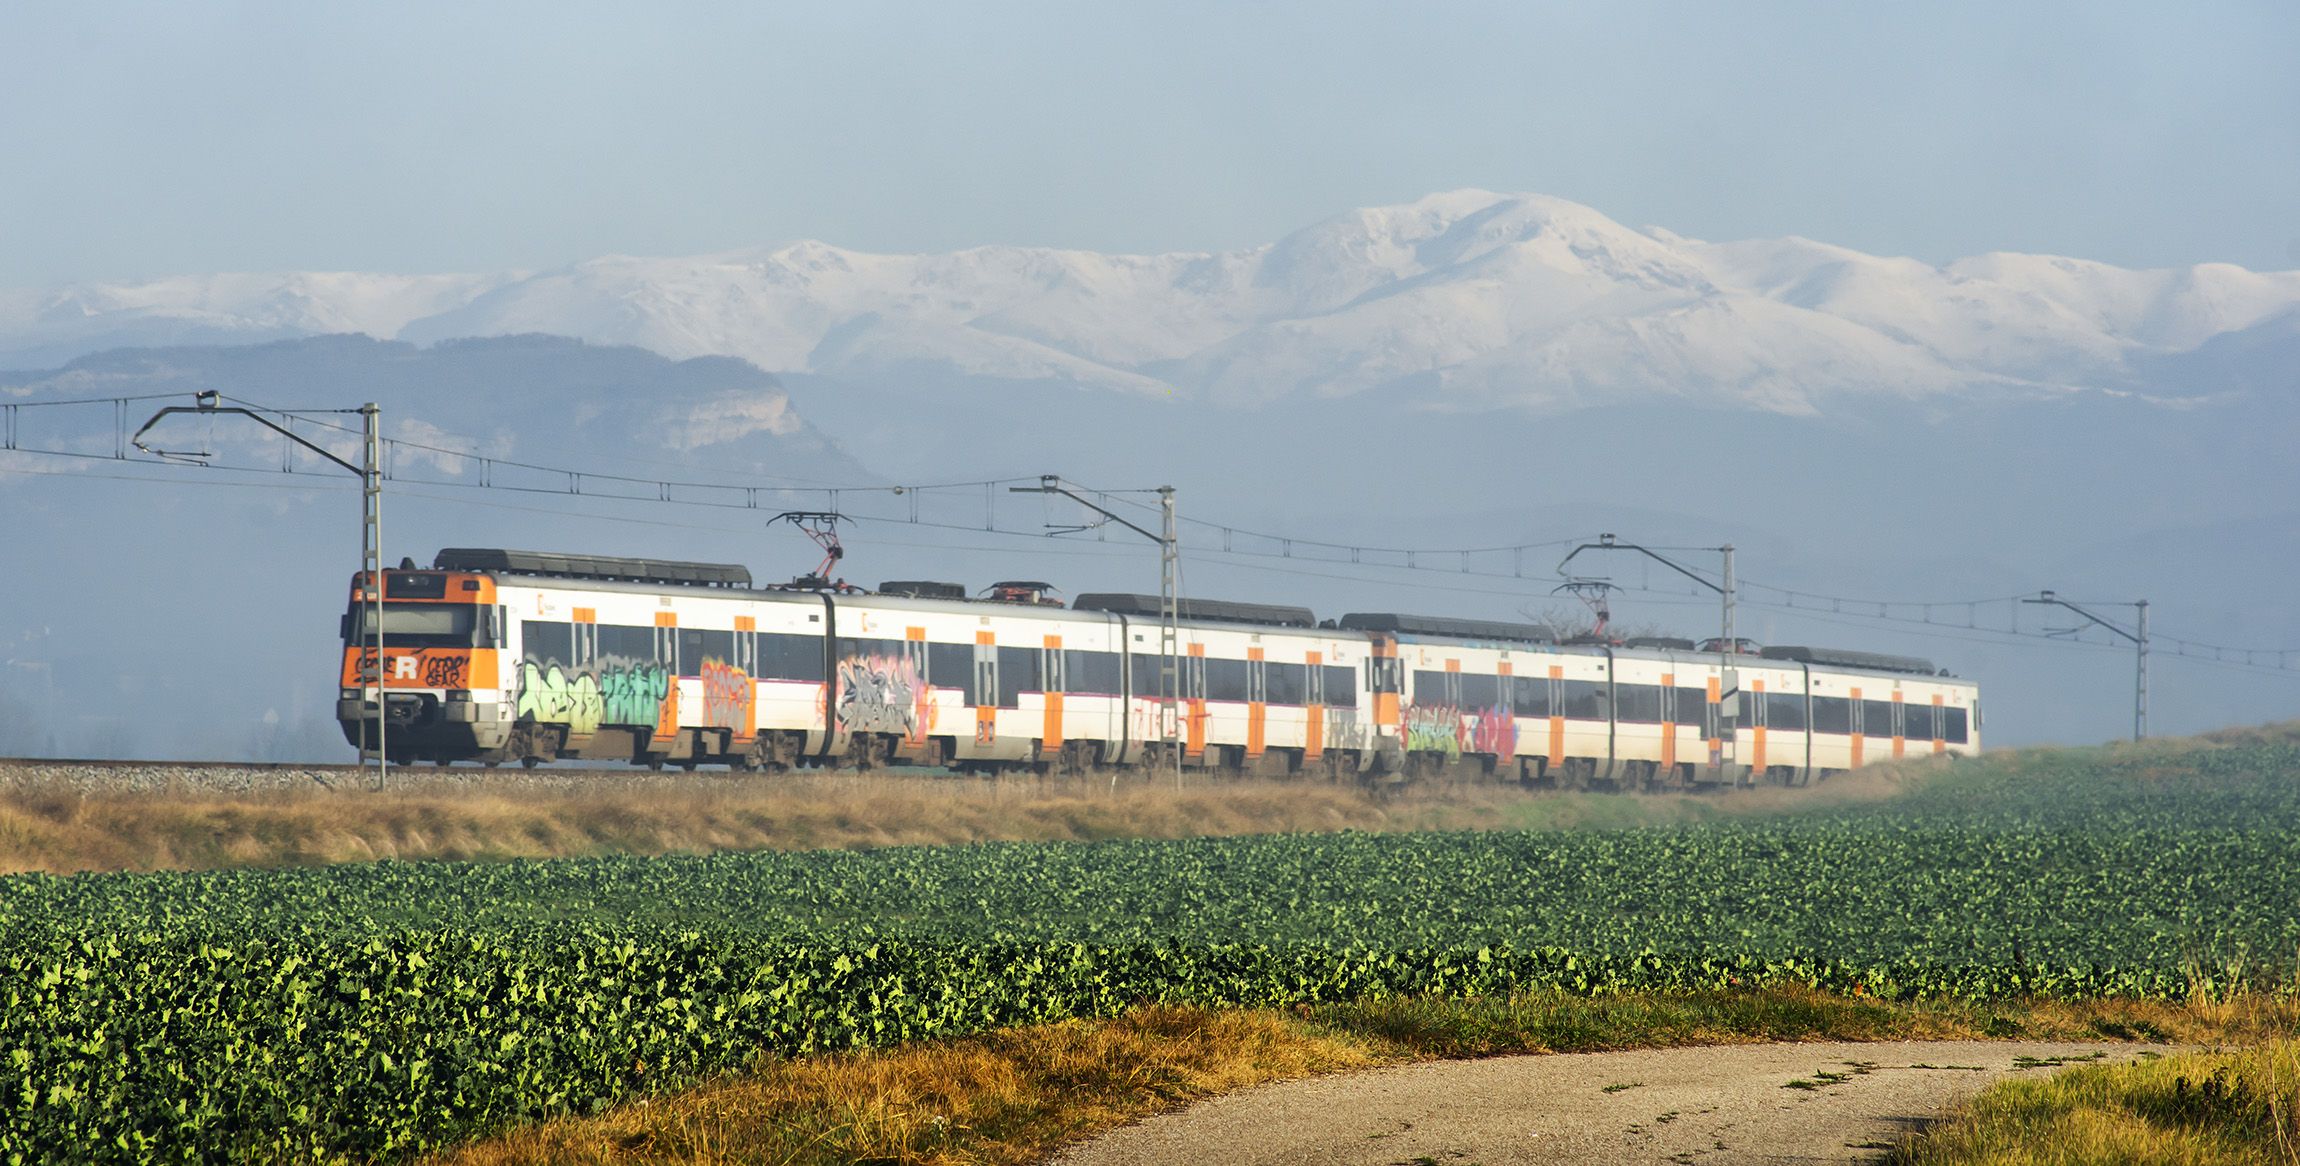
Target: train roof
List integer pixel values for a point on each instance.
(923, 589)
(601, 567)
(1208, 610)
(1439, 625)
(1848, 658)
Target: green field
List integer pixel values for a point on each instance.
(374, 1010)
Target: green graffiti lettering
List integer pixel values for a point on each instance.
(548, 695)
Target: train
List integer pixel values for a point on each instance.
(499, 656)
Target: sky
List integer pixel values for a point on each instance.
(144, 139)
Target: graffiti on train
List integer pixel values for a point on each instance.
(882, 694)
(726, 695)
(1444, 728)
(548, 695)
(617, 694)
(1433, 728)
(419, 668)
(1492, 731)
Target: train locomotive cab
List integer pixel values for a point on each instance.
(438, 682)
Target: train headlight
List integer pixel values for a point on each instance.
(459, 694)
(351, 694)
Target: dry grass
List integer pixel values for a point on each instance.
(1016, 1095)
(2190, 1108)
(1006, 1097)
(2237, 1101)
(48, 827)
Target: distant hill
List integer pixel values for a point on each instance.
(1462, 300)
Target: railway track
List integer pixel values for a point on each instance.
(96, 773)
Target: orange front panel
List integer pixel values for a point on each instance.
(586, 615)
(1314, 733)
(666, 619)
(746, 623)
(441, 668)
(667, 724)
(1255, 719)
(1195, 746)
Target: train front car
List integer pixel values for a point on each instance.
(440, 689)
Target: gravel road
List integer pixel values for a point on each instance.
(1776, 1103)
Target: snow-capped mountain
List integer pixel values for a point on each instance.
(1461, 300)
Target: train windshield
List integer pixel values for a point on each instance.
(420, 625)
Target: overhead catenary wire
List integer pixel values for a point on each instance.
(1235, 542)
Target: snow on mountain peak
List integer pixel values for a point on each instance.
(1467, 298)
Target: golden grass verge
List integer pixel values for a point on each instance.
(1004, 1097)
(1017, 1094)
(52, 828)
(2187, 1109)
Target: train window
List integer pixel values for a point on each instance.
(1429, 687)
(547, 643)
(1877, 718)
(1285, 684)
(852, 646)
(1314, 684)
(1832, 714)
(1690, 703)
(1637, 704)
(628, 644)
(1917, 721)
(949, 665)
(1953, 726)
(1341, 685)
(421, 625)
(414, 585)
(1149, 677)
(699, 644)
(1225, 679)
(1095, 672)
(783, 656)
(1530, 696)
(1018, 674)
(1785, 710)
(1386, 674)
(1480, 692)
(1587, 700)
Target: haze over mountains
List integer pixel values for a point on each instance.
(1461, 300)
(1469, 369)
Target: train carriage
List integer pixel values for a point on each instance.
(496, 656)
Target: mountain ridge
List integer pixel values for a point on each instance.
(1465, 299)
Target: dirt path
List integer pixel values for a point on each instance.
(1728, 1104)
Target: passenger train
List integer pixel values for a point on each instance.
(497, 656)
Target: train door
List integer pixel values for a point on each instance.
(984, 697)
(1666, 764)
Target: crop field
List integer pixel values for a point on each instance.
(375, 1010)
